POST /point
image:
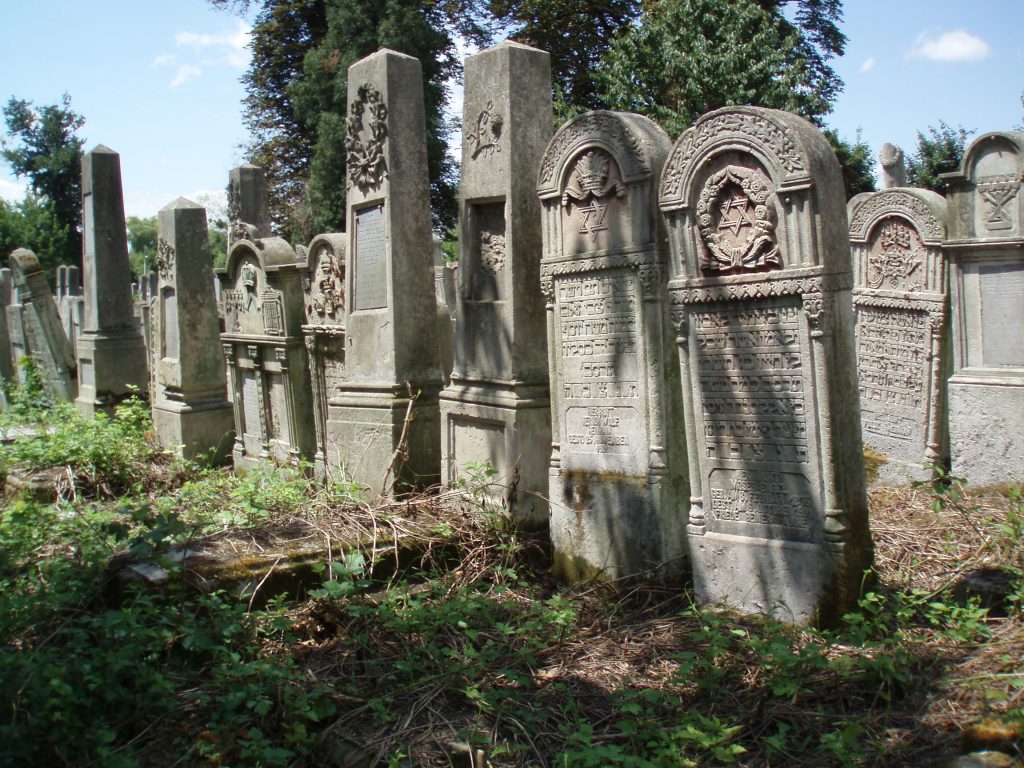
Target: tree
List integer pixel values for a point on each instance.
(688, 57)
(142, 235)
(34, 224)
(42, 146)
(939, 152)
(856, 162)
(577, 34)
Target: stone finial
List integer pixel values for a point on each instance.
(894, 171)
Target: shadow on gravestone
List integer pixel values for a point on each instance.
(761, 303)
(616, 479)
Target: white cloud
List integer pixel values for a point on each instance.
(185, 71)
(868, 64)
(958, 45)
(227, 47)
(12, 191)
(163, 60)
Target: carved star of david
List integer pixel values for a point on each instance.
(592, 219)
(735, 214)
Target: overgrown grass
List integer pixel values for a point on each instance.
(475, 650)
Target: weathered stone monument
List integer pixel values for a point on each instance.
(384, 416)
(496, 411)
(248, 210)
(444, 293)
(894, 171)
(43, 336)
(191, 414)
(70, 303)
(900, 294)
(761, 301)
(613, 489)
(324, 290)
(111, 352)
(268, 374)
(7, 370)
(986, 246)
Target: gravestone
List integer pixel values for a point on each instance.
(324, 291)
(986, 247)
(384, 415)
(191, 414)
(70, 303)
(762, 307)
(268, 373)
(900, 294)
(40, 327)
(894, 171)
(614, 483)
(444, 288)
(248, 210)
(110, 348)
(7, 370)
(143, 295)
(496, 411)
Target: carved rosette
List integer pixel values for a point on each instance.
(366, 165)
(165, 260)
(736, 222)
(483, 138)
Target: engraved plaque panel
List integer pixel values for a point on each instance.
(893, 367)
(370, 260)
(169, 328)
(752, 395)
(279, 407)
(476, 440)
(251, 404)
(604, 424)
(1002, 315)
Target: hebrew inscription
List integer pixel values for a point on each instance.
(600, 362)
(370, 259)
(1002, 315)
(752, 389)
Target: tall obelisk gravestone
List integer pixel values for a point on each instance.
(391, 334)
(497, 408)
(111, 350)
(761, 301)
(191, 414)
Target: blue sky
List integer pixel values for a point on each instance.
(159, 81)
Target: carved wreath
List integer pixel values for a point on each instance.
(757, 247)
(366, 165)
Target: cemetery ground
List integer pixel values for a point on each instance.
(441, 639)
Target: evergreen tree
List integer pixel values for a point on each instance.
(42, 146)
(856, 162)
(939, 152)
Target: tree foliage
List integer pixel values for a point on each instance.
(856, 162)
(688, 57)
(42, 146)
(939, 152)
(34, 224)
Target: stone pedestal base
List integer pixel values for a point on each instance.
(507, 427)
(613, 527)
(986, 429)
(364, 430)
(196, 430)
(109, 363)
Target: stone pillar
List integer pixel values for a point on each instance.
(497, 408)
(111, 352)
(900, 295)
(384, 415)
(761, 303)
(613, 483)
(7, 370)
(894, 171)
(44, 338)
(986, 247)
(445, 316)
(248, 211)
(191, 414)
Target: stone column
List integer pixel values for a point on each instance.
(894, 171)
(111, 351)
(248, 210)
(191, 414)
(497, 407)
(384, 415)
(43, 336)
